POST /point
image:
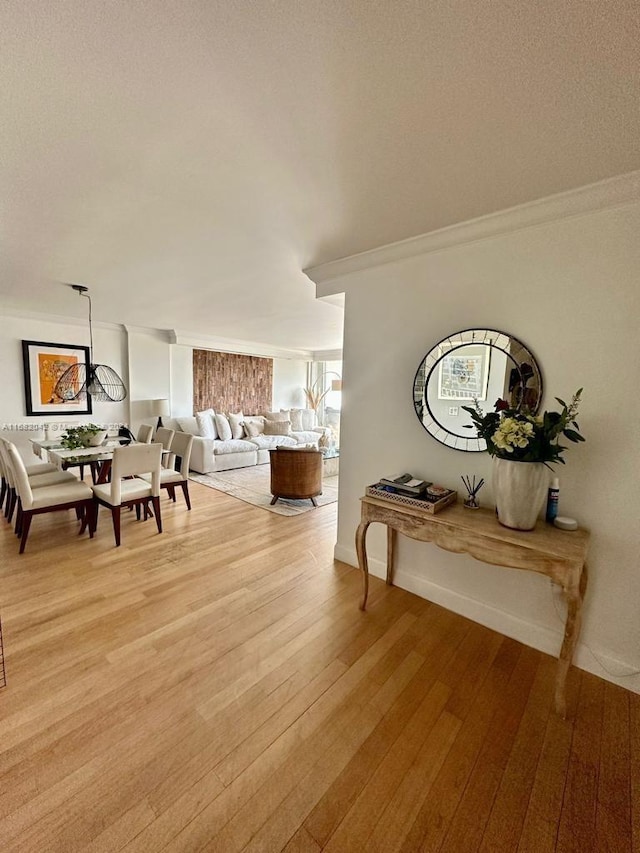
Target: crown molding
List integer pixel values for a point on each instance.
(237, 346)
(159, 334)
(172, 336)
(619, 191)
(327, 355)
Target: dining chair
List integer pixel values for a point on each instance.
(37, 468)
(54, 497)
(145, 434)
(169, 480)
(127, 487)
(45, 474)
(165, 437)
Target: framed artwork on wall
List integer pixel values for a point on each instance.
(464, 374)
(44, 363)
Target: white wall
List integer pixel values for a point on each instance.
(289, 381)
(181, 396)
(149, 373)
(569, 290)
(109, 348)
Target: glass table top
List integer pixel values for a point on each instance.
(330, 452)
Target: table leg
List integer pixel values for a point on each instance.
(105, 472)
(574, 594)
(392, 534)
(361, 550)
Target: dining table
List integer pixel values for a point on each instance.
(98, 458)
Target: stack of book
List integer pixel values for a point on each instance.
(405, 484)
(412, 492)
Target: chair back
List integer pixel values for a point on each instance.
(295, 472)
(8, 464)
(4, 468)
(182, 444)
(19, 475)
(131, 461)
(165, 437)
(145, 434)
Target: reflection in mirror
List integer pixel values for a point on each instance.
(475, 364)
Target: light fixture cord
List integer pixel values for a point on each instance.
(90, 329)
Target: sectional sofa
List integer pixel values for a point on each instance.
(225, 441)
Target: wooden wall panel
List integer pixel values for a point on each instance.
(226, 382)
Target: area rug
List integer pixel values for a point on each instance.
(252, 485)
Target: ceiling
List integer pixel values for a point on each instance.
(187, 160)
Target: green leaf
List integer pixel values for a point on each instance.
(562, 402)
(572, 435)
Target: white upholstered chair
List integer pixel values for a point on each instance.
(145, 434)
(50, 497)
(181, 448)
(165, 437)
(45, 474)
(127, 488)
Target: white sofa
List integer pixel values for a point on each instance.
(222, 442)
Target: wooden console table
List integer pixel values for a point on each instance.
(557, 553)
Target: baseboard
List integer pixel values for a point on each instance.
(533, 634)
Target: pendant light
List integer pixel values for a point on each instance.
(99, 381)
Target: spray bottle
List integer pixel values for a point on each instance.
(552, 500)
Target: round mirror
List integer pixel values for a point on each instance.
(475, 364)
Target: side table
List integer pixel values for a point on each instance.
(559, 554)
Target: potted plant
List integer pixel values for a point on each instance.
(515, 436)
(87, 435)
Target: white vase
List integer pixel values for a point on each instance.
(96, 439)
(519, 489)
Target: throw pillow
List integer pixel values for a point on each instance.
(296, 420)
(206, 423)
(254, 426)
(277, 416)
(277, 427)
(308, 419)
(236, 422)
(189, 425)
(223, 427)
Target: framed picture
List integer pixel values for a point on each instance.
(464, 373)
(44, 363)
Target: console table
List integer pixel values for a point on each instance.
(559, 554)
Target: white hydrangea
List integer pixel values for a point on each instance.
(512, 433)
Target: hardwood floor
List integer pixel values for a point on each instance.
(217, 688)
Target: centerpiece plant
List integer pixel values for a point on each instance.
(79, 436)
(515, 436)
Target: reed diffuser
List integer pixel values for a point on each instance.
(473, 489)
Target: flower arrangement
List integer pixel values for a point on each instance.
(520, 436)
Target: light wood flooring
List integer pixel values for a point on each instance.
(217, 688)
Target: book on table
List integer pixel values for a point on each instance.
(405, 484)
